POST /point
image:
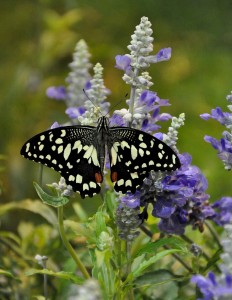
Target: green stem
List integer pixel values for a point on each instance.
(68, 245)
(131, 293)
(214, 233)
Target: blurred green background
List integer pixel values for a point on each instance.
(37, 42)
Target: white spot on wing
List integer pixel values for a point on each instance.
(141, 137)
(59, 141)
(113, 156)
(134, 175)
(160, 155)
(141, 152)
(128, 183)
(69, 165)
(92, 184)
(120, 182)
(41, 147)
(134, 152)
(71, 178)
(27, 147)
(124, 144)
(63, 133)
(67, 151)
(79, 178)
(174, 159)
(142, 145)
(89, 150)
(85, 187)
(60, 149)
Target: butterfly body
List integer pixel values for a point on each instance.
(78, 154)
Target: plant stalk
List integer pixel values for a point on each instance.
(68, 245)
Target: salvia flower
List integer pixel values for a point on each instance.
(77, 80)
(146, 112)
(123, 62)
(224, 145)
(134, 65)
(57, 92)
(79, 76)
(215, 286)
(95, 106)
(178, 199)
(128, 220)
(223, 211)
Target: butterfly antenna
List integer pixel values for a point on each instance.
(89, 99)
(115, 105)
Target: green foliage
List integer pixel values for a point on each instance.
(54, 201)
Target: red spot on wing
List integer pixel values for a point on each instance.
(98, 177)
(114, 176)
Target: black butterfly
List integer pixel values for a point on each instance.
(78, 154)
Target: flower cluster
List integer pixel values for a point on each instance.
(78, 79)
(179, 198)
(218, 287)
(224, 145)
(144, 106)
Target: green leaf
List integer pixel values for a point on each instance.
(213, 260)
(156, 277)
(100, 223)
(152, 247)
(34, 206)
(80, 212)
(54, 201)
(63, 275)
(7, 274)
(11, 236)
(166, 282)
(147, 263)
(39, 297)
(111, 204)
(80, 230)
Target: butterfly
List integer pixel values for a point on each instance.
(78, 154)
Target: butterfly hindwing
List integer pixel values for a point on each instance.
(133, 154)
(71, 151)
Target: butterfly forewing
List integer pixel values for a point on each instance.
(133, 154)
(72, 151)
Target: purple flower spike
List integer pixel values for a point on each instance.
(212, 288)
(75, 112)
(57, 92)
(224, 147)
(123, 62)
